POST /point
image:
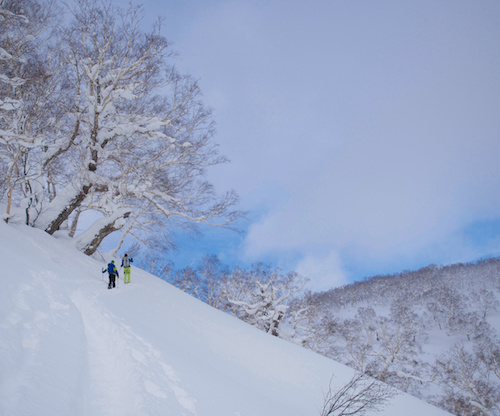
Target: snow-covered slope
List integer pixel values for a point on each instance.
(69, 346)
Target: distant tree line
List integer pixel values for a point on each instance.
(432, 333)
(99, 133)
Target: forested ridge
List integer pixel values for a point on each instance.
(432, 332)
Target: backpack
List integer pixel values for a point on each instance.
(111, 268)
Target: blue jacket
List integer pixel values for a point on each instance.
(111, 269)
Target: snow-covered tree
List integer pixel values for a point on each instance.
(471, 378)
(27, 119)
(205, 281)
(387, 348)
(188, 281)
(358, 335)
(303, 324)
(398, 347)
(212, 274)
(140, 137)
(266, 302)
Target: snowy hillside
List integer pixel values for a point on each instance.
(69, 346)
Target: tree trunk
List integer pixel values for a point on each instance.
(74, 224)
(11, 183)
(275, 324)
(125, 232)
(89, 241)
(72, 203)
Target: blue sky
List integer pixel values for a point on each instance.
(364, 137)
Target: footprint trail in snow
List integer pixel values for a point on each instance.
(127, 375)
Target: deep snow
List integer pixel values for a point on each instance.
(69, 346)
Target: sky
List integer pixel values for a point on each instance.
(364, 137)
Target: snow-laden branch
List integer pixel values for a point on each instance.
(117, 128)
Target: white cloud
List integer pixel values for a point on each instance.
(379, 125)
(324, 271)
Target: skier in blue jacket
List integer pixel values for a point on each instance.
(113, 273)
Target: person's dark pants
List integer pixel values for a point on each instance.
(112, 283)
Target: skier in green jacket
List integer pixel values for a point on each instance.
(126, 260)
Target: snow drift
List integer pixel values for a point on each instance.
(70, 346)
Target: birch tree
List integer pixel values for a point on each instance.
(385, 348)
(141, 138)
(471, 378)
(266, 303)
(26, 86)
(212, 275)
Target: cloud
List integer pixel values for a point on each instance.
(377, 123)
(324, 271)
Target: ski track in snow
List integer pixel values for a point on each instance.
(32, 321)
(127, 375)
